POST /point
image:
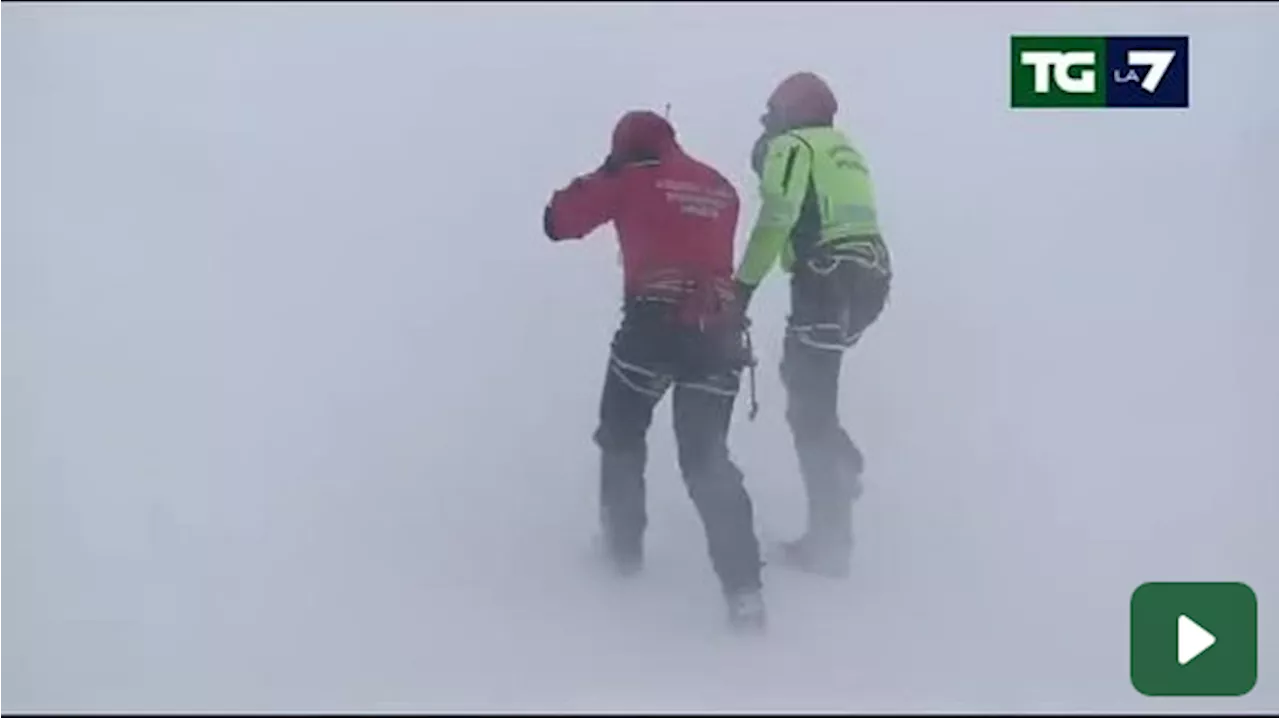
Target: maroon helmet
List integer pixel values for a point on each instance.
(801, 100)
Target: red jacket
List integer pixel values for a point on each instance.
(675, 216)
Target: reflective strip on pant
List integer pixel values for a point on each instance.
(827, 337)
(639, 379)
(720, 385)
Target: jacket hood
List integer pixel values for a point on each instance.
(642, 134)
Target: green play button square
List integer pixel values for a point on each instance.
(1193, 639)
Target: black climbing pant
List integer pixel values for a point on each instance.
(650, 355)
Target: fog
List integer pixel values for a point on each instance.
(298, 399)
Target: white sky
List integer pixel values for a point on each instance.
(299, 400)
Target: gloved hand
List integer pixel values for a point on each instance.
(613, 163)
(772, 123)
(742, 295)
(548, 225)
(610, 166)
(758, 152)
(738, 350)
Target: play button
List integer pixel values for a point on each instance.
(1192, 640)
(1171, 649)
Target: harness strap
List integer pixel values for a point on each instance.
(868, 251)
(699, 302)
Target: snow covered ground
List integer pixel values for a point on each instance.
(298, 400)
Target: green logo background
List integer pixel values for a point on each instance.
(1022, 77)
(1229, 611)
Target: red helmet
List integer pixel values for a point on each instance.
(642, 133)
(801, 99)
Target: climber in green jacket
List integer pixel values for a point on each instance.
(818, 220)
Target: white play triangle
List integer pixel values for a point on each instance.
(1192, 640)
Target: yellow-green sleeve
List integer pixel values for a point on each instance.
(784, 179)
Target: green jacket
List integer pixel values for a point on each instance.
(815, 189)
